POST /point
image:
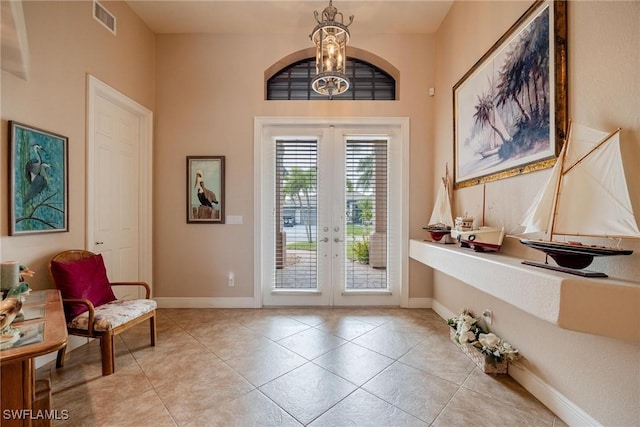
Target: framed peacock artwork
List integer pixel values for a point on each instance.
(39, 191)
(205, 189)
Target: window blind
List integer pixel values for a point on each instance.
(367, 208)
(296, 214)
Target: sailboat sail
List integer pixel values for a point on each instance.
(586, 193)
(441, 220)
(441, 213)
(598, 173)
(538, 217)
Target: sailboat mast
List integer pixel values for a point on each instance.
(484, 193)
(554, 212)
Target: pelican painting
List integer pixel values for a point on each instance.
(205, 195)
(39, 175)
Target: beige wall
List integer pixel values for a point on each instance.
(600, 375)
(65, 44)
(201, 108)
(208, 91)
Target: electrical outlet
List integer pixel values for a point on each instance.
(231, 280)
(487, 315)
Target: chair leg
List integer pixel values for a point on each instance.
(152, 330)
(108, 353)
(60, 357)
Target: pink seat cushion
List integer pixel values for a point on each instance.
(84, 278)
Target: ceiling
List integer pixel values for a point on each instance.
(288, 16)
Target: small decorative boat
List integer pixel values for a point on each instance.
(441, 222)
(438, 231)
(586, 195)
(481, 239)
(462, 225)
(484, 239)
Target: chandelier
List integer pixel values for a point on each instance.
(330, 37)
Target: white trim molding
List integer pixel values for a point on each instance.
(566, 410)
(98, 89)
(186, 302)
(264, 126)
(420, 303)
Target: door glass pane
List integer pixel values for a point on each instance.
(296, 215)
(366, 214)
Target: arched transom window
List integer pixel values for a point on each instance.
(368, 82)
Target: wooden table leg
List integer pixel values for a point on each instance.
(18, 393)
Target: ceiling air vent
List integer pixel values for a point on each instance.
(104, 17)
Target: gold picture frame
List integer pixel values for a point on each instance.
(510, 109)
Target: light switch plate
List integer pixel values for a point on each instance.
(234, 219)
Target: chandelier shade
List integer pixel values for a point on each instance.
(330, 37)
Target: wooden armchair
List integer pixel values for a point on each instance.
(91, 308)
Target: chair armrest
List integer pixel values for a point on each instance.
(143, 284)
(90, 308)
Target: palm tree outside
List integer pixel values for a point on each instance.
(299, 184)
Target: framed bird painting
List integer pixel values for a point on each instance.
(205, 189)
(39, 193)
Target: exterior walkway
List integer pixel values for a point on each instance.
(300, 273)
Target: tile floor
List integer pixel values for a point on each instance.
(290, 367)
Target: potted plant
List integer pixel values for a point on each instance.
(489, 352)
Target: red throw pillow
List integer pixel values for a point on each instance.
(84, 278)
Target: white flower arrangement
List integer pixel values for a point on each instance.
(496, 348)
(468, 331)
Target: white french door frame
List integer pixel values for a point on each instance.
(265, 129)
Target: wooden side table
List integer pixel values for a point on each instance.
(26, 402)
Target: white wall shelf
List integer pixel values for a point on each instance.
(601, 306)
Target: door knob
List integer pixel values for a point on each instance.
(326, 239)
(337, 240)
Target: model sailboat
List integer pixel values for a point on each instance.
(586, 195)
(441, 219)
(482, 239)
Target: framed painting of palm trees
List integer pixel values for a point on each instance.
(39, 180)
(205, 189)
(510, 108)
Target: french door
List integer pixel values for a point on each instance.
(331, 215)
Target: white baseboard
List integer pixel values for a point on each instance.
(441, 310)
(180, 302)
(420, 302)
(43, 360)
(73, 343)
(566, 410)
